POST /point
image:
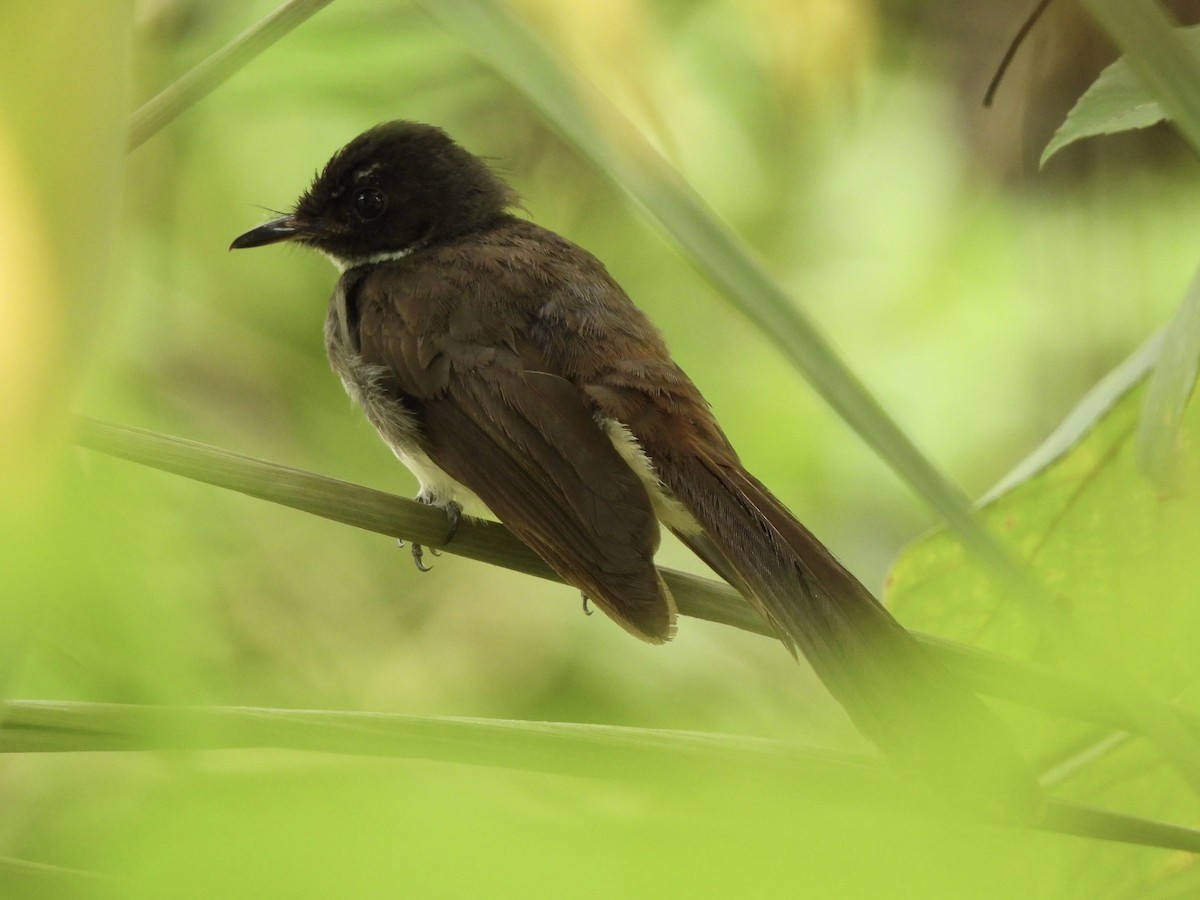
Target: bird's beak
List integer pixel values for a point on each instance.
(286, 228)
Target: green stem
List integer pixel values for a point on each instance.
(163, 108)
(591, 751)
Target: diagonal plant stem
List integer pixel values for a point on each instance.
(492, 543)
(1169, 391)
(609, 752)
(162, 109)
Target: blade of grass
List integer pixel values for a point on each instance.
(492, 543)
(589, 751)
(24, 878)
(1095, 404)
(1054, 775)
(156, 113)
(1167, 394)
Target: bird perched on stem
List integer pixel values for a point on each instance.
(509, 371)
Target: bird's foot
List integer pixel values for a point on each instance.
(587, 610)
(454, 520)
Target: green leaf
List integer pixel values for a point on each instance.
(1116, 101)
(1159, 54)
(1157, 79)
(1082, 513)
(1084, 517)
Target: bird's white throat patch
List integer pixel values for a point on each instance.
(343, 265)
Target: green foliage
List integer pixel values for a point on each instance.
(1119, 100)
(1143, 30)
(1107, 539)
(1116, 101)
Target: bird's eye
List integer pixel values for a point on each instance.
(369, 204)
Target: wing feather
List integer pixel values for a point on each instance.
(527, 443)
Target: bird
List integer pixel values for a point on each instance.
(510, 372)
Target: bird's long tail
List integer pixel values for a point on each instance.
(893, 690)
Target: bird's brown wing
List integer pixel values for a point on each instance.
(526, 442)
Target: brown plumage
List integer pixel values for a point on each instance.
(506, 367)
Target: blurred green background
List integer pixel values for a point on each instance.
(977, 297)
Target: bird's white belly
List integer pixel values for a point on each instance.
(438, 488)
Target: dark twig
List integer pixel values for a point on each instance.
(1011, 52)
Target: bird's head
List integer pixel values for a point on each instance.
(392, 189)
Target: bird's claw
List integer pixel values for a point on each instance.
(418, 555)
(587, 610)
(454, 518)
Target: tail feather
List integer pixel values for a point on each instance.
(893, 690)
